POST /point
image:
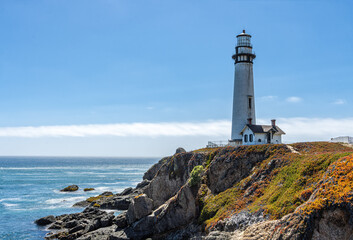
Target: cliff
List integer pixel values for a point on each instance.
(297, 191)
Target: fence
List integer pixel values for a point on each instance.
(214, 144)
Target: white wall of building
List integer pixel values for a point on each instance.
(277, 138)
(259, 138)
(247, 132)
(343, 139)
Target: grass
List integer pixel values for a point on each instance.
(335, 188)
(286, 191)
(280, 190)
(216, 207)
(96, 198)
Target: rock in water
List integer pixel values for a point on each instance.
(88, 189)
(71, 188)
(180, 150)
(45, 220)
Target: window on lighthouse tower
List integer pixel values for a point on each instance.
(250, 102)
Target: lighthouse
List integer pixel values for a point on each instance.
(244, 128)
(243, 100)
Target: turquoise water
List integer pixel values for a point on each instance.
(30, 187)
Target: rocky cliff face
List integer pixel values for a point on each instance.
(301, 191)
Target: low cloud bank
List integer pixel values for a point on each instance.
(297, 129)
(314, 129)
(211, 128)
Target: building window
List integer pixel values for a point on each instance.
(259, 140)
(251, 138)
(250, 102)
(246, 138)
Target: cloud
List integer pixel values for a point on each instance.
(210, 128)
(315, 129)
(339, 102)
(294, 99)
(297, 129)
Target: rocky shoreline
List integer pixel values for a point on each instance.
(210, 194)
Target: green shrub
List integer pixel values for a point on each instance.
(195, 176)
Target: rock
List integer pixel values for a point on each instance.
(175, 213)
(82, 204)
(140, 206)
(191, 231)
(242, 220)
(120, 220)
(172, 176)
(76, 229)
(333, 224)
(71, 224)
(71, 188)
(149, 175)
(143, 183)
(180, 150)
(218, 235)
(56, 225)
(126, 191)
(118, 203)
(45, 220)
(107, 194)
(227, 169)
(88, 189)
(106, 233)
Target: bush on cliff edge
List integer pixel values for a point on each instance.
(195, 176)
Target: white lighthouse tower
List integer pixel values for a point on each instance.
(243, 101)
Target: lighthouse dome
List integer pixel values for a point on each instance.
(243, 40)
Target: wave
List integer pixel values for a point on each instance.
(57, 191)
(9, 205)
(64, 200)
(11, 199)
(104, 189)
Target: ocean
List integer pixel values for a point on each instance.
(30, 187)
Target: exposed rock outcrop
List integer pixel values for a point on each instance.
(140, 207)
(172, 176)
(72, 226)
(304, 191)
(45, 220)
(180, 150)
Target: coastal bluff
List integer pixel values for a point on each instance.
(270, 191)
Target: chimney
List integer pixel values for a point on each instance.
(250, 121)
(273, 122)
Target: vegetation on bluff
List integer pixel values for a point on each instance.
(195, 175)
(335, 188)
(283, 181)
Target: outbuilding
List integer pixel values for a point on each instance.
(261, 134)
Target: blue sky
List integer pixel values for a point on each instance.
(65, 63)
